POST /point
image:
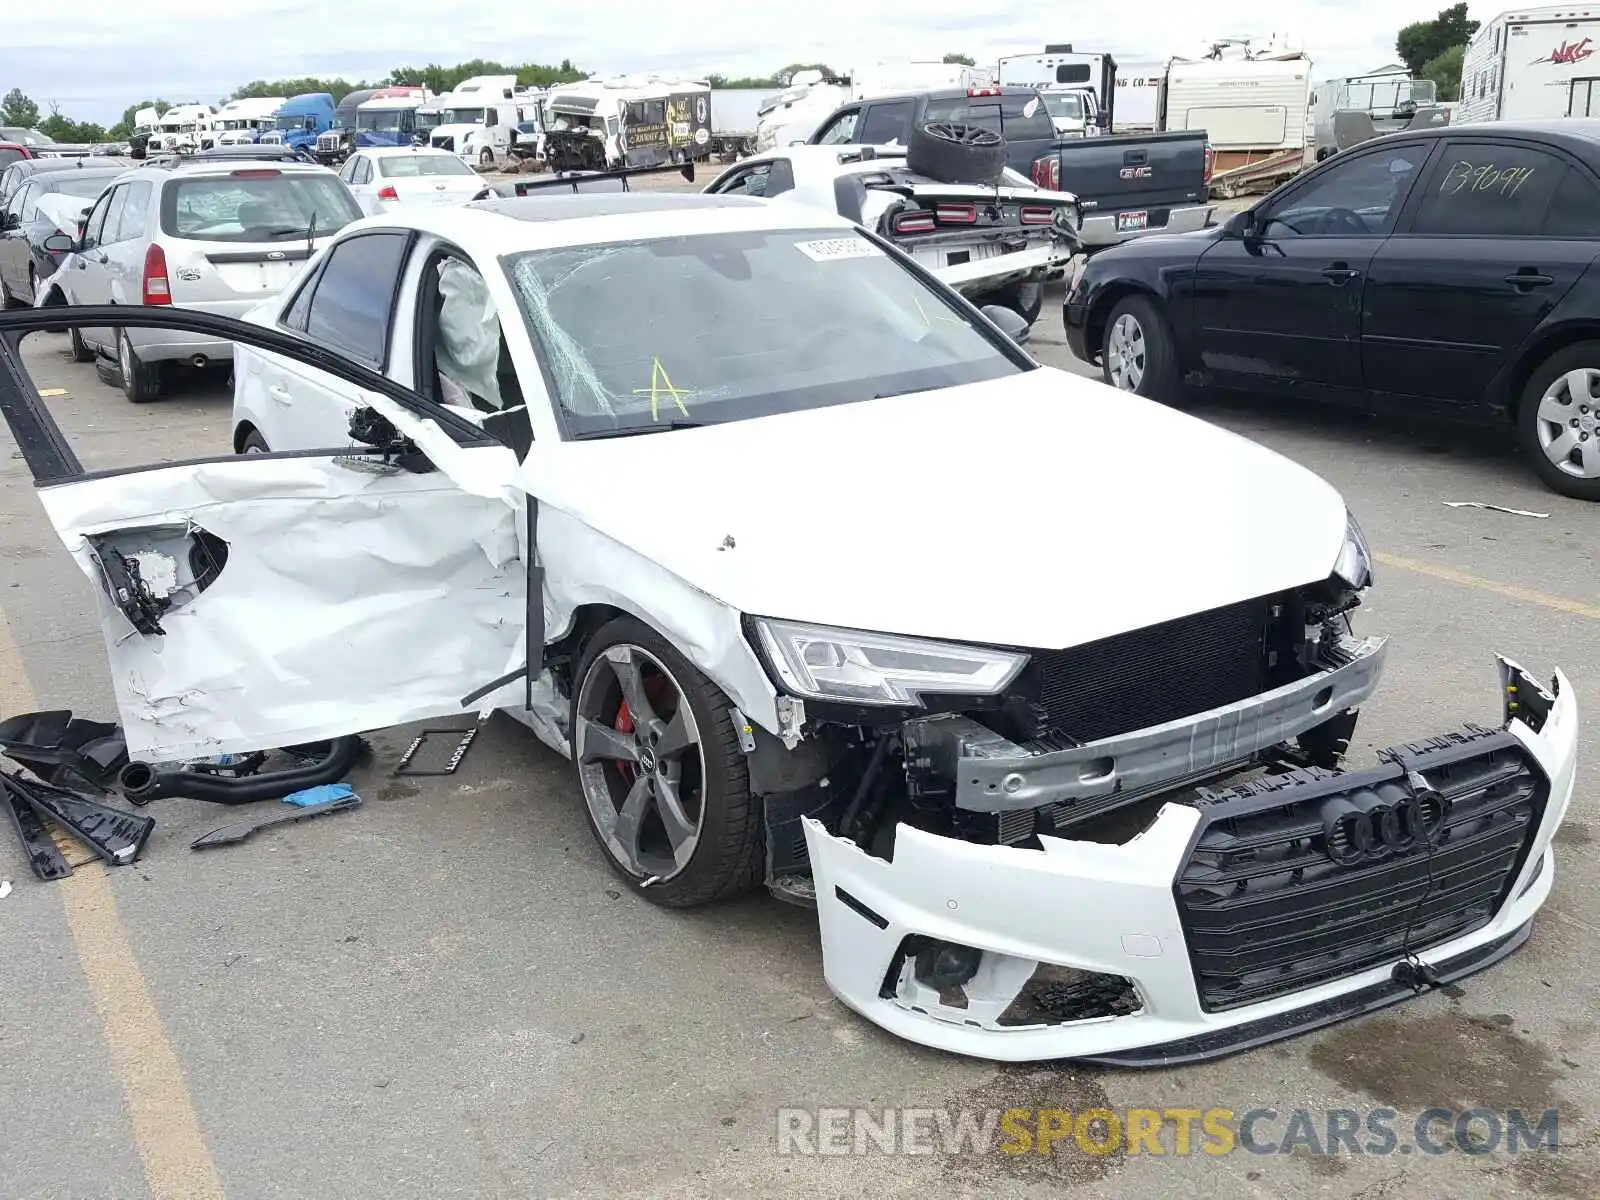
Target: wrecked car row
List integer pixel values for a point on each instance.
(1064, 790)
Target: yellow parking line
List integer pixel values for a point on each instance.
(166, 1127)
(1510, 591)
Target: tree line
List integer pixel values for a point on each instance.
(17, 110)
(1434, 49)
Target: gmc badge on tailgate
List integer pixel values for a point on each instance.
(1134, 173)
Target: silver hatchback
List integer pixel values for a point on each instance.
(210, 236)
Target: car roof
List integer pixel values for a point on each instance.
(38, 166)
(1576, 133)
(223, 166)
(396, 151)
(52, 178)
(487, 229)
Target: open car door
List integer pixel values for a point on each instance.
(265, 600)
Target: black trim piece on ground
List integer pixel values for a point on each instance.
(1314, 1016)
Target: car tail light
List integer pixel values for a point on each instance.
(387, 192)
(914, 222)
(1047, 173)
(956, 214)
(257, 173)
(983, 91)
(1036, 214)
(1211, 161)
(156, 288)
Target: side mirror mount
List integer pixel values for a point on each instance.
(1011, 323)
(59, 243)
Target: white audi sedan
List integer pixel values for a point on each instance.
(824, 586)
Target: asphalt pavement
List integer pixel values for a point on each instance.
(445, 993)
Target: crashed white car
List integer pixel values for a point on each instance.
(824, 585)
(994, 244)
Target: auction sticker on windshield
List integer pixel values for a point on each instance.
(827, 249)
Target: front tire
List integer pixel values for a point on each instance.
(80, 348)
(486, 158)
(1138, 355)
(665, 785)
(141, 381)
(254, 443)
(1558, 421)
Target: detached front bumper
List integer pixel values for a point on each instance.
(1136, 953)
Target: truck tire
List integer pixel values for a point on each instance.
(953, 152)
(486, 157)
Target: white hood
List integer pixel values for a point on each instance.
(1039, 510)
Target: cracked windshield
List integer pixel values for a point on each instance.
(721, 327)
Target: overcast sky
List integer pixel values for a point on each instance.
(96, 61)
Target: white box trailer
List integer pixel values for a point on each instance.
(1250, 108)
(1533, 64)
(1138, 105)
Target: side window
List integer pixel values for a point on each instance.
(1489, 190)
(348, 171)
(1575, 208)
(491, 118)
(135, 215)
(363, 172)
(842, 130)
(354, 294)
(113, 231)
(885, 123)
(1356, 198)
(294, 316)
(748, 181)
(96, 224)
(22, 204)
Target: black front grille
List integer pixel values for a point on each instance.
(1153, 675)
(1267, 912)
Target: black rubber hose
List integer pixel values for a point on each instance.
(141, 782)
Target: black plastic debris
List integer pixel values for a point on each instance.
(239, 830)
(114, 834)
(44, 856)
(219, 784)
(65, 750)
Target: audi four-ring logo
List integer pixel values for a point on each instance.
(1373, 823)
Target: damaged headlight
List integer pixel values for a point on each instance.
(823, 663)
(1354, 564)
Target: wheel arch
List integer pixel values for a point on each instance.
(1100, 310)
(1506, 395)
(241, 431)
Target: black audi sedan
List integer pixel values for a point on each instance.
(1449, 271)
(47, 204)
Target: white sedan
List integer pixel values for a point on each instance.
(384, 178)
(824, 585)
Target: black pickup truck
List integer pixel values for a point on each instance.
(1131, 185)
(1017, 114)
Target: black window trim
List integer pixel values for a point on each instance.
(1405, 226)
(314, 280)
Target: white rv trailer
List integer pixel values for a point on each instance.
(241, 122)
(1533, 63)
(1138, 102)
(1250, 108)
(1078, 89)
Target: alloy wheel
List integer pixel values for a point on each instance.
(1569, 423)
(641, 762)
(1125, 353)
